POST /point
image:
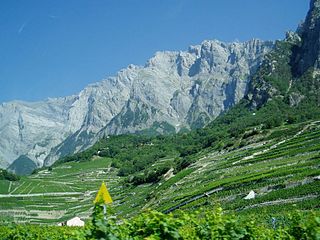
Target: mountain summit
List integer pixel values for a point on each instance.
(173, 91)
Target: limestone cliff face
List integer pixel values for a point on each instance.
(188, 89)
(173, 90)
(33, 128)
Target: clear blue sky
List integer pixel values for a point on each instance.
(52, 48)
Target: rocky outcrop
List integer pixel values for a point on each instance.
(292, 70)
(307, 56)
(174, 90)
(274, 77)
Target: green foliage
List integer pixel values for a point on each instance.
(5, 175)
(150, 176)
(303, 227)
(37, 232)
(158, 128)
(279, 59)
(213, 224)
(103, 225)
(153, 225)
(182, 163)
(188, 150)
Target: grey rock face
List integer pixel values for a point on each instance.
(174, 89)
(32, 128)
(308, 54)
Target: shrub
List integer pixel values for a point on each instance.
(153, 225)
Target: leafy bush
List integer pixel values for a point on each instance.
(151, 176)
(213, 224)
(153, 225)
(182, 163)
(32, 232)
(5, 175)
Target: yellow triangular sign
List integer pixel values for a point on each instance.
(103, 196)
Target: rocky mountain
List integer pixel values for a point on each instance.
(173, 91)
(292, 71)
(307, 55)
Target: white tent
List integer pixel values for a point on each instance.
(76, 221)
(251, 195)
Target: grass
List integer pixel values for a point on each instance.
(281, 173)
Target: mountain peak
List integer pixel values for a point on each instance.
(174, 90)
(308, 54)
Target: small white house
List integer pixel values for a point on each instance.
(76, 221)
(251, 195)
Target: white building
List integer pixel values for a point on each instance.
(251, 195)
(74, 222)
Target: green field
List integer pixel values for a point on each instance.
(280, 165)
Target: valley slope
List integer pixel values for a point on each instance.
(280, 165)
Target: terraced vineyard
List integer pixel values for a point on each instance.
(283, 172)
(51, 196)
(282, 166)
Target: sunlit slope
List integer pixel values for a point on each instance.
(280, 165)
(65, 191)
(283, 172)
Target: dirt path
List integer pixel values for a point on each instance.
(9, 188)
(279, 143)
(40, 194)
(17, 187)
(282, 201)
(194, 198)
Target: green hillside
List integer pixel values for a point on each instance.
(280, 165)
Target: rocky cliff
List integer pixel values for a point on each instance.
(307, 55)
(173, 91)
(292, 70)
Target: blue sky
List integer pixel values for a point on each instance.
(53, 48)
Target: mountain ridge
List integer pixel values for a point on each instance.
(175, 90)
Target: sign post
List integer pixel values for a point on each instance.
(102, 225)
(103, 195)
(102, 199)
